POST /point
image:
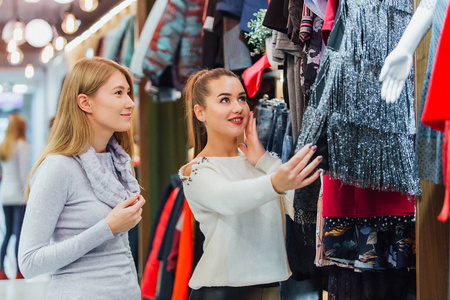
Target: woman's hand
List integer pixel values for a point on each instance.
(126, 214)
(254, 150)
(294, 173)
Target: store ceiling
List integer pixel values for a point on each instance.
(53, 13)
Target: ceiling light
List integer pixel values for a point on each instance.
(70, 24)
(88, 5)
(1, 86)
(59, 43)
(15, 57)
(12, 46)
(29, 71)
(38, 33)
(98, 25)
(63, 1)
(32, 1)
(18, 33)
(47, 53)
(20, 88)
(14, 30)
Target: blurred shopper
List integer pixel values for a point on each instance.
(14, 162)
(82, 194)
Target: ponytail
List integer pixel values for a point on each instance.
(196, 91)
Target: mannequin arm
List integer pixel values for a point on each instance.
(398, 64)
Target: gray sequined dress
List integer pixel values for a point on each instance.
(370, 143)
(429, 142)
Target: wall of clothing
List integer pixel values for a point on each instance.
(364, 208)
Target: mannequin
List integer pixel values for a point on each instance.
(399, 62)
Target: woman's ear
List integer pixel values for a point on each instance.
(83, 103)
(199, 114)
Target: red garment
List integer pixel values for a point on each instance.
(342, 200)
(445, 212)
(328, 21)
(185, 257)
(172, 259)
(437, 105)
(436, 112)
(253, 75)
(150, 278)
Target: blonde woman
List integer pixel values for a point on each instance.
(83, 196)
(14, 163)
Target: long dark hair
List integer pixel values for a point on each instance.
(196, 91)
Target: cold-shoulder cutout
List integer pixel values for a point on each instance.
(187, 169)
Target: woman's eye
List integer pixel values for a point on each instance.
(224, 100)
(119, 92)
(243, 99)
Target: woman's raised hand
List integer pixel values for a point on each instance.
(254, 150)
(126, 214)
(294, 173)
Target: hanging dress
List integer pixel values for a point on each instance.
(370, 143)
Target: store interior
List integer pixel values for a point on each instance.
(118, 29)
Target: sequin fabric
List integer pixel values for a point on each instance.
(370, 142)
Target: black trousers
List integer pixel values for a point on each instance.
(14, 215)
(257, 292)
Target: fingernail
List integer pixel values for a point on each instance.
(314, 148)
(309, 145)
(319, 158)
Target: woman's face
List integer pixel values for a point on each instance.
(226, 112)
(111, 106)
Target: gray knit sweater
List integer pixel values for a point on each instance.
(65, 232)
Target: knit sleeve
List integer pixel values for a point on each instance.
(287, 203)
(50, 190)
(269, 162)
(212, 192)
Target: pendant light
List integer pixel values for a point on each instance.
(47, 53)
(70, 24)
(15, 57)
(59, 43)
(12, 46)
(18, 33)
(38, 33)
(29, 71)
(14, 29)
(88, 5)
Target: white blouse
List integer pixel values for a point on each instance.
(242, 218)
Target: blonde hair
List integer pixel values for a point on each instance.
(16, 130)
(196, 91)
(70, 132)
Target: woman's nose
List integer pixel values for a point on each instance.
(130, 103)
(237, 107)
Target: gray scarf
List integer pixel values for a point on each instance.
(105, 185)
